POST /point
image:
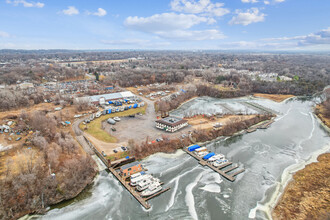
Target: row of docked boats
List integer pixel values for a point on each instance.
(146, 184)
(214, 159)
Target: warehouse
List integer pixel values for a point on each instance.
(171, 123)
(102, 99)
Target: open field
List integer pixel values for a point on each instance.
(307, 196)
(94, 128)
(274, 97)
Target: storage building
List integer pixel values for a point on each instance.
(171, 123)
(131, 168)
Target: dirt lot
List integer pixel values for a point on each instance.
(274, 97)
(205, 123)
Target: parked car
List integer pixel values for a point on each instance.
(113, 129)
(18, 139)
(123, 148)
(115, 151)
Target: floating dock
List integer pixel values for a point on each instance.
(157, 194)
(217, 169)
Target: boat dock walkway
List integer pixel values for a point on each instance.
(259, 108)
(219, 170)
(160, 192)
(130, 189)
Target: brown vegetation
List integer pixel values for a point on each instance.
(28, 183)
(323, 110)
(307, 196)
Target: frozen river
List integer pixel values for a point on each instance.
(199, 193)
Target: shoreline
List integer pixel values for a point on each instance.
(280, 187)
(287, 177)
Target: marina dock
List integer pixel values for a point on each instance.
(130, 189)
(217, 169)
(118, 163)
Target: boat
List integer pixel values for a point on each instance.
(139, 179)
(136, 175)
(152, 189)
(201, 149)
(219, 162)
(202, 154)
(145, 184)
(216, 157)
(116, 118)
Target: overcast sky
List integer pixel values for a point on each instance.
(165, 24)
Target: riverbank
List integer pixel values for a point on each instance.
(171, 145)
(307, 195)
(320, 111)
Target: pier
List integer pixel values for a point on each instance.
(217, 169)
(130, 189)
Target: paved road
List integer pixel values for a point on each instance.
(79, 136)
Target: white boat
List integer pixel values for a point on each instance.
(116, 118)
(200, 150)
(139, 179)
(216, 157)
(202, 154)
(136, 175)
(152, 189)
(145, 184)
(219, 162)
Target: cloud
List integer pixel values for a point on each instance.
(137, 43)
(26, 4)
(319, 40)
(70, 11)
(321, 37)
(4, 34)
(126, 41)
(252, 15)
(191, 35)
(249, 1)
(266, 2)
(100, 12)
(164, 22)
(205, 7)
(174, 26)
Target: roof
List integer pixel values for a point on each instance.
(109, 96)
(127, 94)
(171, 121)
(130, 165)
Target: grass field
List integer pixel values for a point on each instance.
(95, 127)
(118, 155)
(274, 97)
